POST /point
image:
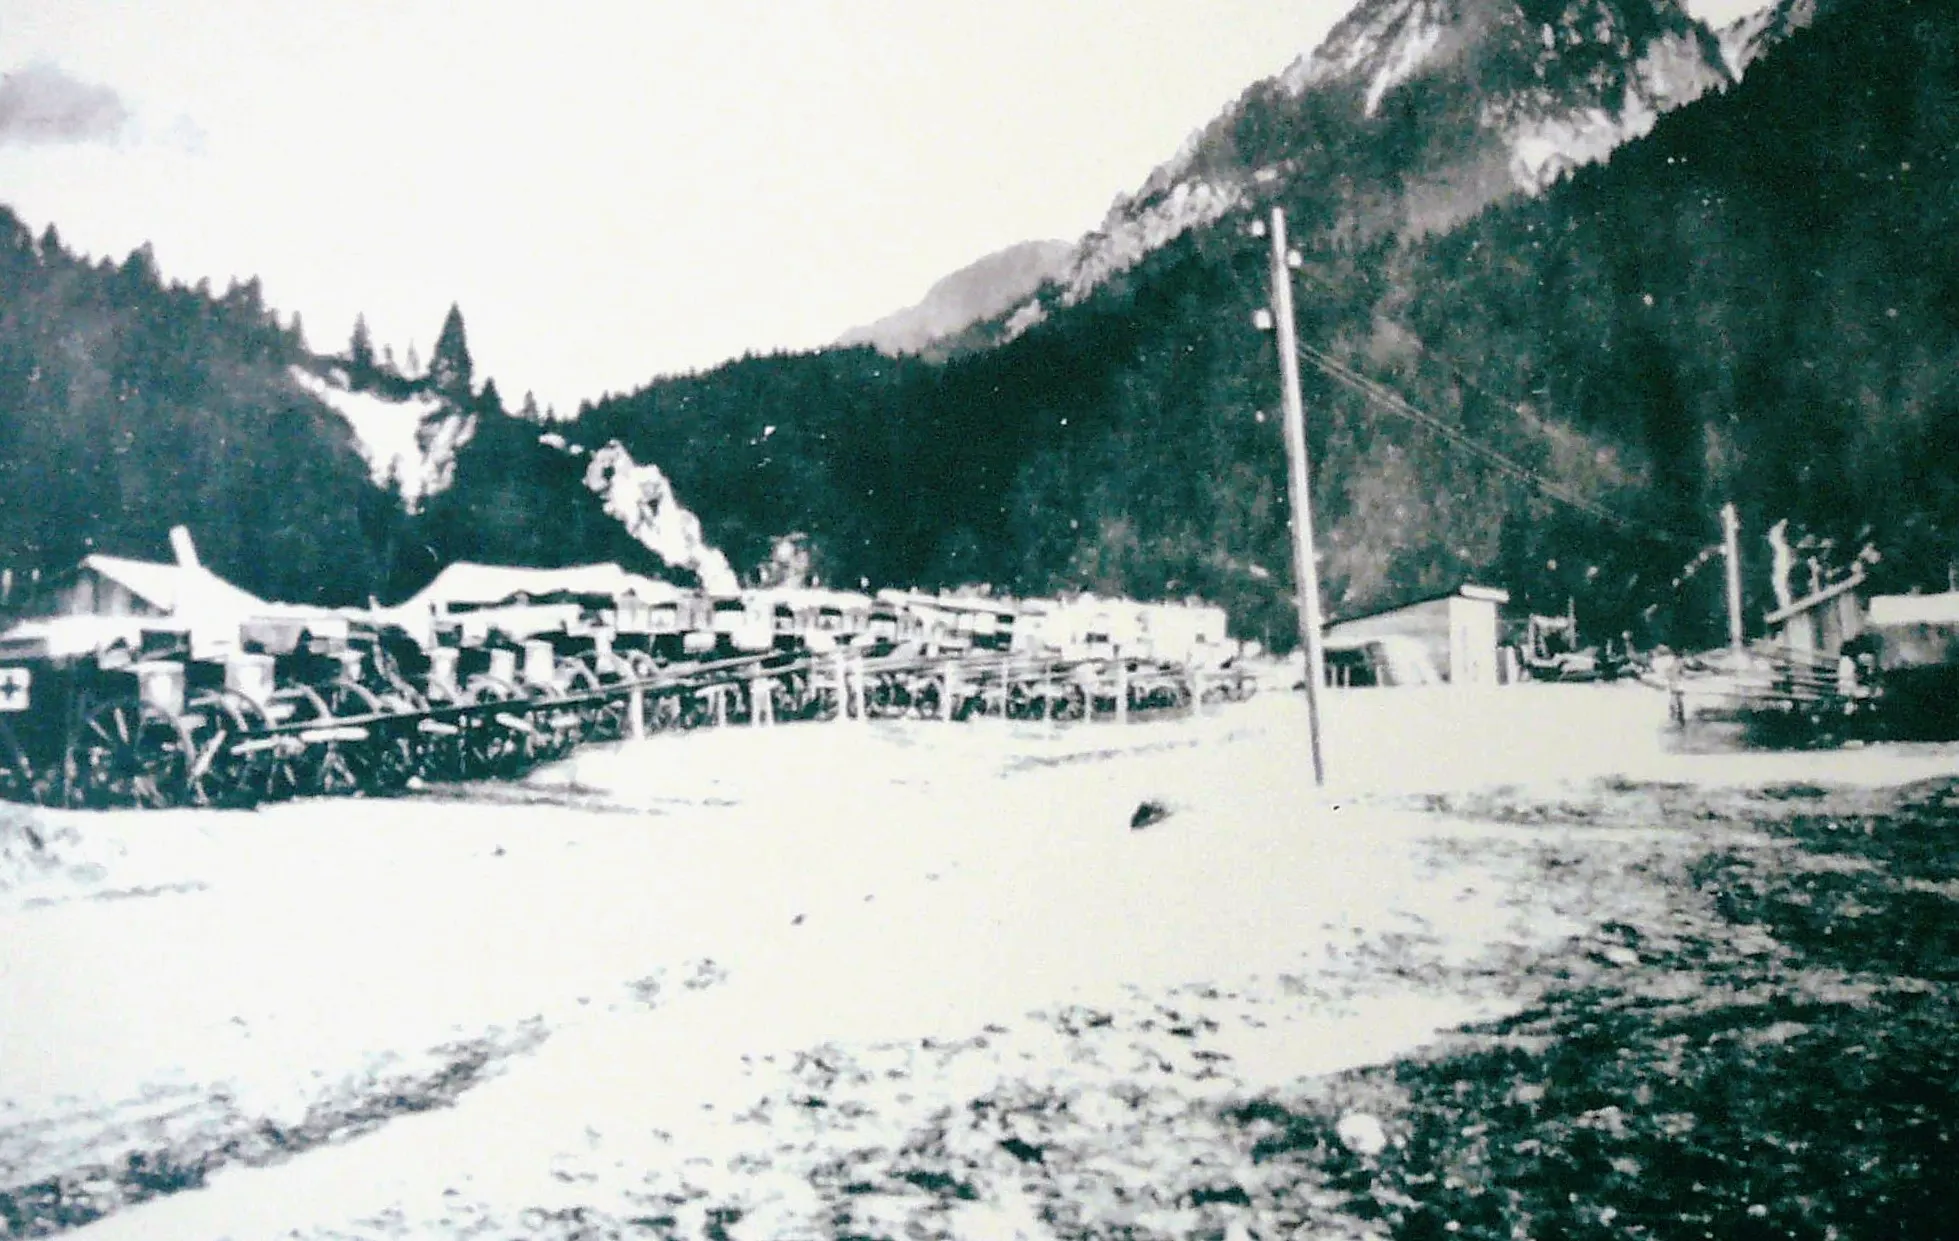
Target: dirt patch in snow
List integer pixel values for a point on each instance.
(175, 1139)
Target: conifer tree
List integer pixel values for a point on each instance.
(360, 352)
(450, 370)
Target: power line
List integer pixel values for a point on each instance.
(1383, 397)
(1393, 402)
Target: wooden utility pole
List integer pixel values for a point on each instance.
(1731, 551)
(1306, 571)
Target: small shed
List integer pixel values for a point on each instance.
(1457, 629)
(1916, 631)
(1818, 625)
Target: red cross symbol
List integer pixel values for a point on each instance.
(14, 684)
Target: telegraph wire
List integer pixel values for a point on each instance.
(1386, 398)
(1393, 402)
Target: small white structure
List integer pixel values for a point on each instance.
(1917, 631)
(1456, 629)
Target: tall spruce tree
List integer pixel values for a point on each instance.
(360, 353)
(450, 370)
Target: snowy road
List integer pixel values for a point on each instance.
(605, 968)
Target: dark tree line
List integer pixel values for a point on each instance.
(128, 406)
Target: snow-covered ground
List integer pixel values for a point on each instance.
(639, 976)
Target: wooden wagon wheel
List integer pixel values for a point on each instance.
(1070, 702)
(381, 762)
(598, 719)
(696, 707)
(664, 711)
(129, 753)
(290, 767)
(490, 746)
(557, 726)
(226, 769)
(17, 782)
(641, 665)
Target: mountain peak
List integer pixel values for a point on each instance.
(1489, 98)
(973, 294)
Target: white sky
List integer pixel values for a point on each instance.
(616, 192)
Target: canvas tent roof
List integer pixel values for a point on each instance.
(486, 585)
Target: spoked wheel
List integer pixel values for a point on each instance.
(1027, 702)
(922, 698)
(891, 696)
(599, 718)
(792, 697)
(286, 769)
(696, 708)
(444, 741)
(664, 711)
(557, 726)
(131, 754)
(605, 719)
(490, 746)
(17, 775)
(229, 758)
(641, 666)
(384, 760)
(1070, 702)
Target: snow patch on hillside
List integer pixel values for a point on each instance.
(639, 496)
(1389, 44)
(1746, 39)
(411, 442)
(1670, 73)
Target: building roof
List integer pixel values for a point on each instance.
(1811, 602)
(486, 585)
(1939, 609)
(172, 588)
(1467, 590)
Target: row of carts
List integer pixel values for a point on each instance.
(368, 709)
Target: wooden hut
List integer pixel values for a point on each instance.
(1457, 629)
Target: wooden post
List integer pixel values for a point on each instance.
(951, 689)
(1306, 572)
(843, 685)
(1731, 547)
(1122, 691)
(636, 713)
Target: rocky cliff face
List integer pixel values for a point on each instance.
(1456, 104)
(641, 499)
